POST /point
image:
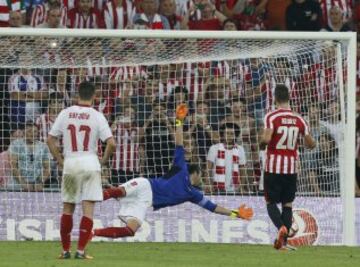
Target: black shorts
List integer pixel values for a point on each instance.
(279, 188)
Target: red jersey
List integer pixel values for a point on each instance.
(281, 154)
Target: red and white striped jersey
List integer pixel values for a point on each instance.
(193, 80)
(345, 5)
(281, 152)
(39, 15)
(44, 124)
(116, 17)
(76, 20)
(126, 157)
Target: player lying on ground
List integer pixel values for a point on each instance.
(283, 129)
(138, 194)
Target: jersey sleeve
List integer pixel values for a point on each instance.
(179, 157)
(267, 122)
(242, 156)
(57, 129)
(104, 130)
(211, 156)
(199, 199)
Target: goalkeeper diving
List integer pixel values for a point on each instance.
(180, 186)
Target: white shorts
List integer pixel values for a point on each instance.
(81, 185)
(138, 198)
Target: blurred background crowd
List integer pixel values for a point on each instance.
(227, 99)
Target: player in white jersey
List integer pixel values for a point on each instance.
(81, 127)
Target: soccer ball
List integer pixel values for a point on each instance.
(293, 229)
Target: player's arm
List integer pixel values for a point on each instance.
(110, 148)
(107, 137)
(52, 142)
(242, 212)
(309, 141)
(179, 158)
(265, 138)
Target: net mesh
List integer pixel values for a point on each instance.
(139, 84)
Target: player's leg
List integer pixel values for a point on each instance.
(132, 225)
(70, 195)
(66, 224)
(287, 198)
(90, 194)
(273, 189)
(86, 225)
(114, 192)
(132, 209)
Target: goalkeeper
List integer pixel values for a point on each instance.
(181, 185)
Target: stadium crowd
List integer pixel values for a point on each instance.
(227, 99)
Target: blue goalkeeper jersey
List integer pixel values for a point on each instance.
(177, 189)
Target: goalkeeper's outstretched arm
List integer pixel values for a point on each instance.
(243, 212)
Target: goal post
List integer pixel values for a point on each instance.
(318, 67)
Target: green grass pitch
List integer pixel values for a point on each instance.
(39, 254)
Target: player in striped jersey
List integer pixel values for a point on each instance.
(283, 127)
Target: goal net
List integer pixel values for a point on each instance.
(228, 83)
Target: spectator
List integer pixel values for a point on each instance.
(252, 17)
(118, 14)
(215, 95)
(44, 124)
(150, 18)
(126, 160)
(158, 140)
(30, 161)
(336, 21)
(231, 9)
(230, 25)
(168, 10)
(53, 18)
(191, 150)
(201, 129)
(276, 14)
(326, 166)
(211, 19)
(303, 15)
(310, 157)
(27, 90)
(16, 19)
(332, 121)
(45, 121)
(40, 12)
(7, 7)
(6, 180)
(226, 161)
(84, 16)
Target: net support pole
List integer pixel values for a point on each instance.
(348, 155)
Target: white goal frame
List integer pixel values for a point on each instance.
(347, 163)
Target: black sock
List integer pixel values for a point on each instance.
(286, 217)
(274, 214)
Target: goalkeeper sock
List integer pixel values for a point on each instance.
(66, 224)
(114, 232)
(115, 192)
(86, 225)
(274, 214)
(286, 217)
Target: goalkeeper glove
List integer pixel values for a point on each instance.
(181, 112)
(243, 212)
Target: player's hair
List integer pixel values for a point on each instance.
(86, 90)
(281, 93)
(54, 96)
(193, 168)
(229, 125)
